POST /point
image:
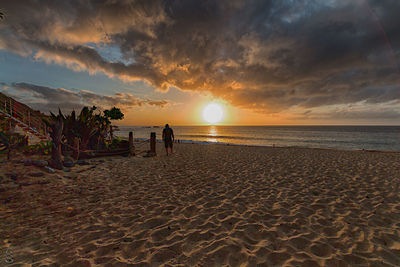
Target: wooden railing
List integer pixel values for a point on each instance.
(28, 119)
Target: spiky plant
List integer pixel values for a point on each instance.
(87, 125)
(56, 126)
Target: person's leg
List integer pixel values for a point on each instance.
(166, 147)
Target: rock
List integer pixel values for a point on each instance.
(68, 162)
(36, 174)
(49, 170)
(82, 162)
(40, 163)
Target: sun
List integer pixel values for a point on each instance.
(213, 113)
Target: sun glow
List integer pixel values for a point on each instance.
(213, 113)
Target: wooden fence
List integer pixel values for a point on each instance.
(25, 117)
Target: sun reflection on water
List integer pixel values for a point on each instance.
(212, 132)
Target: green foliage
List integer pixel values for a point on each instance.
(9, 142)
(43, 148)
(90, 128)
(115, 143)
(114, 114)
(56, 127)
(4, 141)
(87, 125)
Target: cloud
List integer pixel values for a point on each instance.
(360, 113)
(268, 56)
(50, 99)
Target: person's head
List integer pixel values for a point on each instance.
(166, 125)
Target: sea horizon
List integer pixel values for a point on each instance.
(343, 137)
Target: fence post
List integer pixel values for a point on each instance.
(131, 147)
(153, 142)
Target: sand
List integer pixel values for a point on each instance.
(207, 205)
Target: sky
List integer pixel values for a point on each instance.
(271, 62)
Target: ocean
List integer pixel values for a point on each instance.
(385, 138)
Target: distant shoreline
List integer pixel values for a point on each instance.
(269, 146)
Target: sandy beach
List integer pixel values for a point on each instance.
(206, 205)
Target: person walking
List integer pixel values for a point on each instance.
(168, 137)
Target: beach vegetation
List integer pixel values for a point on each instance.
(56, 125)
(91, 127)
(8, 140)
(113, 114)
(41, 148)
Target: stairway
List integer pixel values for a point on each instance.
(27, 119)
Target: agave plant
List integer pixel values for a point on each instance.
(56, 125)
(71, 128)
(87, 125)
(90, 128)
(102, 125)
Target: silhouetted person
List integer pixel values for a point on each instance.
(168, 137)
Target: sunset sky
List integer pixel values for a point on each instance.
(264, 62)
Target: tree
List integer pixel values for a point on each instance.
(113, 114)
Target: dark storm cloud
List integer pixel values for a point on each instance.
(263, 55)
(50, 99)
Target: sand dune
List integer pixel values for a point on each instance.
(208, 205)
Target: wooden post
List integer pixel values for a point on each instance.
(76, 148)
(153, 142)
(131, 147)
